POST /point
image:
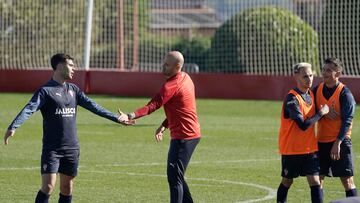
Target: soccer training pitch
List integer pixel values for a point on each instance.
(236, 161)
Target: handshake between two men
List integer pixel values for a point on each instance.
(125, 118)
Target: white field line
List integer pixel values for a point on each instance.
(29, 168)
(191, 162)
(19, 168)
(271, 192)
(146, 164)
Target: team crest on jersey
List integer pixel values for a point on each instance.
(71, 93)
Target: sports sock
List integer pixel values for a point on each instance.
(316, 194)
(42, 197)
(282, 193)
(351, 193)
(64, 198)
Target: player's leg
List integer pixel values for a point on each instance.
(314, 183)
(48, 182)
(180, 152)
(344, 168)
(325, 162)
(349, 186)
(290, 165)
(68, 171)
(47, 186)
(287, 182)
(283, 189)
(313, 180)
(187, 198)
(66, 188)
(49, 167)
(175, 183)
(311, 168)
(185, 153)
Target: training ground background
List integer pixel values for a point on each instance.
(236, 161)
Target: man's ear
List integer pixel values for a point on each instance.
(59, 66)
(338, 73)
(178, 67)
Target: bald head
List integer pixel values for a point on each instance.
(173, 63)
(176, 58)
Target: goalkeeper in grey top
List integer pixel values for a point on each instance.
(57, 100)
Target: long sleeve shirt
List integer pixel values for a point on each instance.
(58, 106)
(177, 96)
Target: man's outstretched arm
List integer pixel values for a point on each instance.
(35, 103)
(92, 106)
(161, 98)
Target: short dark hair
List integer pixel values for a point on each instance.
(336, 61)
(59, 58)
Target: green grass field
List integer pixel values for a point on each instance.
(236, 160)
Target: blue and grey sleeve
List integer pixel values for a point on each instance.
(348, 105)
(35, 103)
(92, 106)
(292, 106)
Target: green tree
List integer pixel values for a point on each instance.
(195, 50)
(265, 40)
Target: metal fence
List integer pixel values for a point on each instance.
(229, 36)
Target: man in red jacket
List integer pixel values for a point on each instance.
(177, 96)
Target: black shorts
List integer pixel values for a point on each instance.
(303, 164)
(340, 168)
(60, 161)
